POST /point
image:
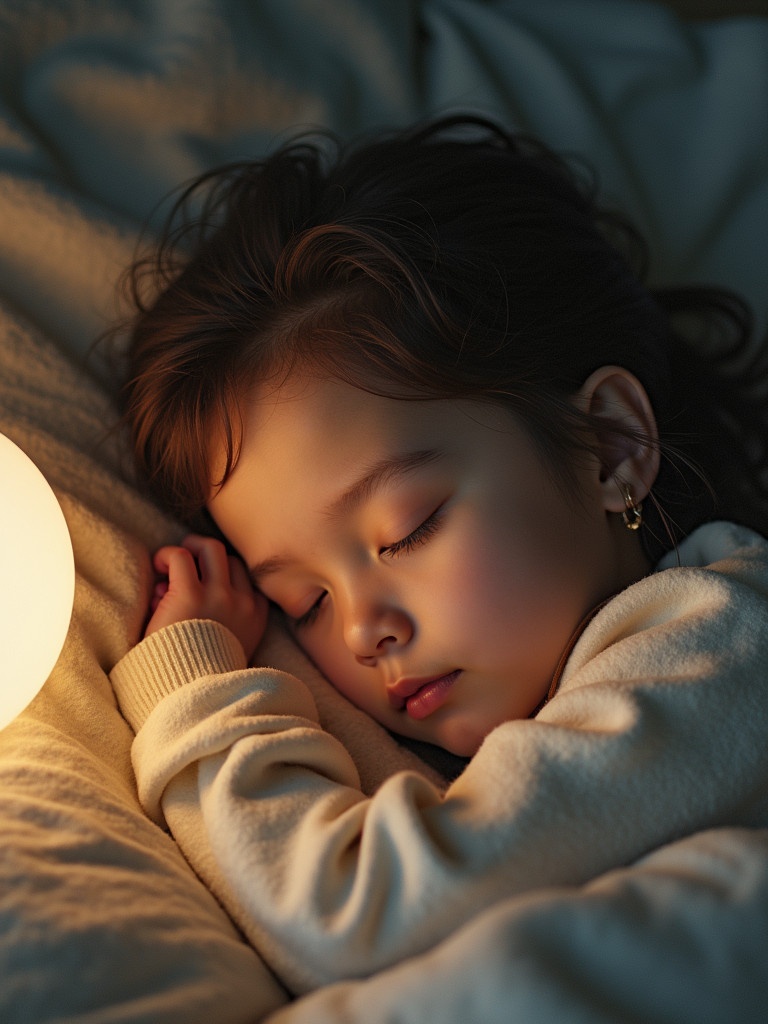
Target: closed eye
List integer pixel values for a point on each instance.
(424, 532)
(311, 614)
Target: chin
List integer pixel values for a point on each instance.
(464, 741)
(465, 737)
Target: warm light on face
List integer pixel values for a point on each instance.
(37, 580)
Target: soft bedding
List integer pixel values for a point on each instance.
(103, 109)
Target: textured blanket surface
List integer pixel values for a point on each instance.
(104, 108)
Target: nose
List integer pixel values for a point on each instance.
(374, 629)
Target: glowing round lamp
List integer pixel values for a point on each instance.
(37, 580)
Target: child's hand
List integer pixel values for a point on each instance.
(204, 582)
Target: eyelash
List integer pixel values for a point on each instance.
(423, 532)
(420, 535)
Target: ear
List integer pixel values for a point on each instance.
(614, 397)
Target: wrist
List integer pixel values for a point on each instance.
(169, 659)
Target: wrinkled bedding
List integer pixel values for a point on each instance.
(104, 108)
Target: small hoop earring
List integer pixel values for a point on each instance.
(633, 514)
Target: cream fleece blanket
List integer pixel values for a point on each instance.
(103, 108)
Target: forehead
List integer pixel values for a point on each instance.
(305, 442)
(314, 431)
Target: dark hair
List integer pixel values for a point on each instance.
(453, 260)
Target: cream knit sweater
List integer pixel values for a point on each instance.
(658, 730)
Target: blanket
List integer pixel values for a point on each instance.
(104, 108)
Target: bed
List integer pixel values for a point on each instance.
(104, 108)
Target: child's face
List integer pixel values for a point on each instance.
(426, 558)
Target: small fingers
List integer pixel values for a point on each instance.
(238, 574)
(158, 593)
(212, 558)
(204, 581)
(216, 565)
(178, 564)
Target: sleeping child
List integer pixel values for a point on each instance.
(413, 395)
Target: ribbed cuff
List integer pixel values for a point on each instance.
(169, 659)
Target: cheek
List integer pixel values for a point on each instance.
(460, 595)
(339, 666)
(502, 589)
(482, 573)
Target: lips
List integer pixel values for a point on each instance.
(420, 697)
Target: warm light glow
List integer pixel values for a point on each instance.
(37, 580)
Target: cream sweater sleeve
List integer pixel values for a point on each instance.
(658, 730)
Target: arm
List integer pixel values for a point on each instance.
(650, 738)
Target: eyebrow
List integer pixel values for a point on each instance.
(381, 473)
(384, 471)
